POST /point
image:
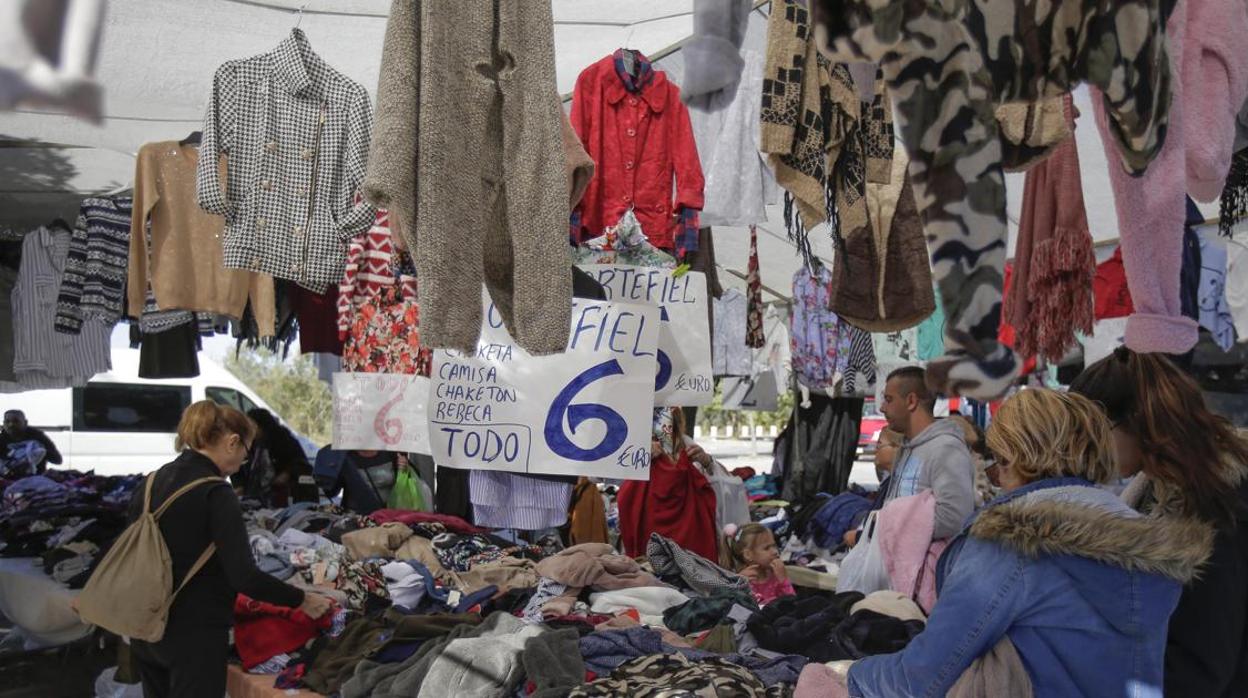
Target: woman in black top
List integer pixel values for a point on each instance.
(285, 476)
(191, 658)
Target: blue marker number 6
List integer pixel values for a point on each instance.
(617, 428)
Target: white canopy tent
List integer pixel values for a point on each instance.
(157, 59)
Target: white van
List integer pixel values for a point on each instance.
(120, 424)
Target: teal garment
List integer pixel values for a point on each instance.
(932, 333)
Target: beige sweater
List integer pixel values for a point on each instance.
(183, 263)
(467, 154)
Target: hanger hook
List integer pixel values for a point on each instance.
(299, 21)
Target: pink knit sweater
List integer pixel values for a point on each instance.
(1209, 82)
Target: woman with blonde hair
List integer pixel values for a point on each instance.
(1186, 463)
(1056, 585)
(190, 660)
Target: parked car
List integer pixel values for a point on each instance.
(869, 435)
(121, 424)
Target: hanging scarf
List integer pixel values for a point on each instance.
(754, 335)
(644, 71)
(1049, 297)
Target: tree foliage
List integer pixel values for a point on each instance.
(291, 388)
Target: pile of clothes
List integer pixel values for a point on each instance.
(65, 518)
(431, 606)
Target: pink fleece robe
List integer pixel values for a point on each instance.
(905, 528)
(1210, 77)
(1215, 72)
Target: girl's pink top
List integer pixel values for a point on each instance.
(771, 589)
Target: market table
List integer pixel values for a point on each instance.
(240, 684)
(810, 579)
(38, 605)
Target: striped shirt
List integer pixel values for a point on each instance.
(511, 500)
(43, 357)
(94, 284)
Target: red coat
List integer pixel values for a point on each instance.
(640, 144)
(677, 502)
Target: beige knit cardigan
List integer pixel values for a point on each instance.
(467, 153)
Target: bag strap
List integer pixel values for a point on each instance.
(147, 493)
(195, 568)
(373, 485)
(180, 491)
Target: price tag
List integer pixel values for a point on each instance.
(683, 374)
(381, 411)
(587, 411)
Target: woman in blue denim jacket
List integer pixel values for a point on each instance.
(1057, 569)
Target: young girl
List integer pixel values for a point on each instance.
(751, 551)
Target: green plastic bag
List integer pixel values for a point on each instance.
(407, 492)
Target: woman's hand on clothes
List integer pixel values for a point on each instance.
(698, 455)
(314, 605)
(656, 449)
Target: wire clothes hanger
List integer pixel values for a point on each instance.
(299, 21)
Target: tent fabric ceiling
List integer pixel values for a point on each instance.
(157, 59)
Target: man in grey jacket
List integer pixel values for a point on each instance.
(933, 456)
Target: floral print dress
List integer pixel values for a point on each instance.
(821, 342)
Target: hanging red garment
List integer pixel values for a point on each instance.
(1006, 333)
(369, 269)
(317, 314)
(263, 631)
(642, 143)
(1051, 297)
(1113, 297)
(677, 502)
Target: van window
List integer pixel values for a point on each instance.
(230, 398)
(223, 396)
(130, 407)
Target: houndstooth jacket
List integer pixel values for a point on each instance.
(297, 134)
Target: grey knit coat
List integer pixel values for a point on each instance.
(467, 153)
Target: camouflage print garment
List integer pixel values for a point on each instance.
(675, 676)
(948, 64)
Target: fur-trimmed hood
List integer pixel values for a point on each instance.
(1091, 523)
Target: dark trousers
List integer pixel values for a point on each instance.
(188, 662)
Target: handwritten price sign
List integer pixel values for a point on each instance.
(683, 375)
(381, 411)
(587, 411)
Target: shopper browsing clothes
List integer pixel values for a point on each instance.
(1057, 586)
(677, 501)
(190, 660)
(933, 455)
(1189, 466)
(365, 478)
(25, 450)
(278, 472)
